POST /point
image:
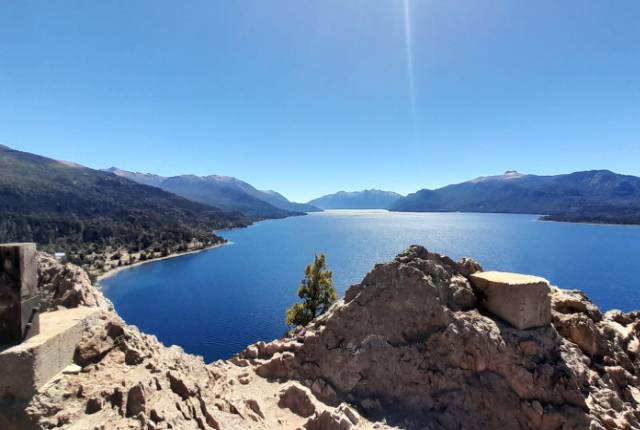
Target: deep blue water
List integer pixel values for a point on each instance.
(214, 303)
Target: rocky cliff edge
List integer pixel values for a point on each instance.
(410, 347)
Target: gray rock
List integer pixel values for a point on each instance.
(298, 400)
(521, 300)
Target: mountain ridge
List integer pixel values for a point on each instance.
(226, 192)
(64, 206)
(584, 196)
(365, 199)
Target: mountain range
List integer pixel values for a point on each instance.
(367, 199)
(587, 196)
(224, 192)
(65, 206)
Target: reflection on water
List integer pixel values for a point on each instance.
(216, 302)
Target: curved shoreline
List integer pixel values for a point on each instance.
(117, 270)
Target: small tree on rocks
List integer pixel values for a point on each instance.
(316, 291)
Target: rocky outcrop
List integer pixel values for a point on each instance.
(66, 286)
(165, 388)
(412, 345)
(125, 379)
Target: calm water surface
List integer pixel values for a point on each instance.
(216, 302)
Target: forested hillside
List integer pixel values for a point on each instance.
(67, 207)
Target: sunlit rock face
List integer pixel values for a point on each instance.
(124, 379)
(521, 300)
(66, 286)
(411, 346)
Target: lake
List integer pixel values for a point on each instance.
(214, 303)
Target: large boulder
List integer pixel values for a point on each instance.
(521, 300)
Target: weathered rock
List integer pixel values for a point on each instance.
(179, 386)
(403, 347)
(297, 399)
(94, 405)
(66, 286)
(277, 367)
(348, 412)
(101, 339)
(410, 345)
(581, 330)
(521, 300)
(322, 389)
(255, 407)
(343, 418)
(571, 302)
(132, 357)
(136, 400)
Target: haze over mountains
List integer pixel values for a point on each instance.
(588, 196)
(224, 192)
(367, 199)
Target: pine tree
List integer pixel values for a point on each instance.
(316, 291)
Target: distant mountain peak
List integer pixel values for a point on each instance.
(368, 191)
(366, 199)
(120, 172)
(509, 174)
(222, 178)
(139, 177)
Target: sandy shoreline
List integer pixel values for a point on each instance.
(116, 270)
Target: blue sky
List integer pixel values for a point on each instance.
(311, 97)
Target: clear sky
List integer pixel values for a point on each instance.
(312, 97)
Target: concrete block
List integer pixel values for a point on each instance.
(521, 300)
(19, 298)
(26, 367)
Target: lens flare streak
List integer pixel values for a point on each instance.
(409, 54)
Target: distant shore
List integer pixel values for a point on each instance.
(599, 223)
(116, 270)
